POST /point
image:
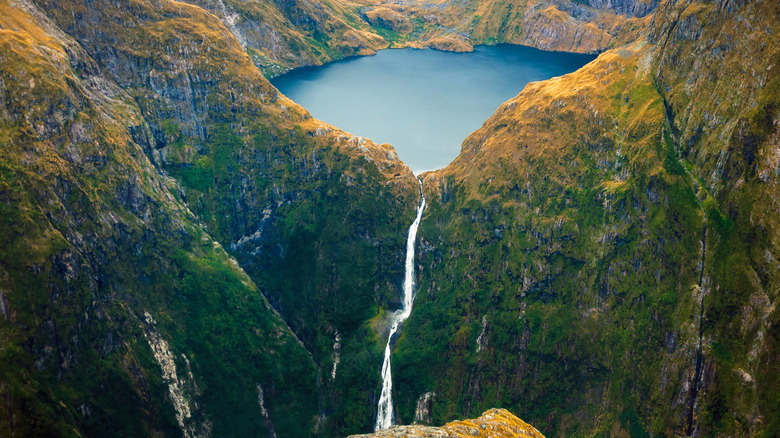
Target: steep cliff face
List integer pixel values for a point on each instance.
(586, 27)
(559, 254)
(141, 113)
(606, 243)
(279, 35)
(574, 26)
(117, 308)
(717, 71)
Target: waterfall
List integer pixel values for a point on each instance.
(384, 416)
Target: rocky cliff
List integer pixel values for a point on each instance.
(279, 35)
(601, 256)
(109, 285)
(148, 167)
(573, 26)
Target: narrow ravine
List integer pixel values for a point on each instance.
(699, 353)
(384, 416)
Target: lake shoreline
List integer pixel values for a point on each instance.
(423, 102)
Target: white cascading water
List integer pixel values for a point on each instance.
(384, 416)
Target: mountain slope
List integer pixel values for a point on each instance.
(560, 271)
(316, 216)
(717, 69)
(280, 35)
(117, 307)
(600, 257)
(292, 198)
(573, 26)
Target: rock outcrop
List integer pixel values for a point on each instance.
(422, 415)
(495, 423)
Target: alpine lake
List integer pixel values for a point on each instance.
(423, 102)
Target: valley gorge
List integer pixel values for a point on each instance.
(385, 407)
(184, 251)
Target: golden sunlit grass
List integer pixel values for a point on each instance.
(611, 99)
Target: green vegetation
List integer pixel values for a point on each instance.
(94, 238)
(327, 254)
(600, 259)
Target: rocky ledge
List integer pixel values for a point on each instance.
(495, 423)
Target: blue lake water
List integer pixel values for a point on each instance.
(423, 102)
